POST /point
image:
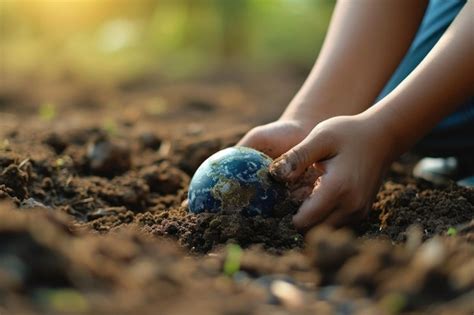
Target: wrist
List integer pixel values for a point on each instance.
(299, 118)
(312, 106)
(308, 112)
(385, 138)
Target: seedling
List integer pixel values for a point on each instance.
(47, 111)
(232, 261)
(64, 300)
(60, 162)
(452, 231)
(4, 145)
(110, 127)
(394, 303)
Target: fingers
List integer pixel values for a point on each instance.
(247, 140)
(250, 140)
(294, 163)
(319, 205)
(257, 141)
(340, 217)
(301, 193)
(303, 187)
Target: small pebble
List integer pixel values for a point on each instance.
(108, 158)
(287, 293)
(149, 140)
(32, 203)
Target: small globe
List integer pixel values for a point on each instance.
(235, 179)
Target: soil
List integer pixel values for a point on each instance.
(92, 217)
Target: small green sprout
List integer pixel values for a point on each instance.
(110, 127)
(4, 145)
(232, 261)
(47, 111)
(60, 162)
(64, 300)
(63, 161)
(452, 231)
(394, 303)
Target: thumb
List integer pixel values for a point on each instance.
(294, 163)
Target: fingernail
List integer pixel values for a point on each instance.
(280, 168)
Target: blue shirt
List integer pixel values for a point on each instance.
(438, 16)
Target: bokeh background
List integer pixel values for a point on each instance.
(123, 38)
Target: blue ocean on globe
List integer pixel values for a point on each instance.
(235, 179)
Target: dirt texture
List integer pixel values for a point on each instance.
(92, 218)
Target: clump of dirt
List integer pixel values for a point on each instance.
(204, 232)
(127, 183)
(14, 181)
(107, 158)
(48, 265)
(414, 201)
(109, 186)
(190, 154)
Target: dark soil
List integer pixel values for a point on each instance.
(92, 220)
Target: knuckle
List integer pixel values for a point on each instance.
(299, 156)
(257, 129)
(255, 135)
(325, 134)
(254, 132)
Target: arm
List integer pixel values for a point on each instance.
(365, 43)
(434, 89)
(354, 151)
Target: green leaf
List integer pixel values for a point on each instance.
(394, 303)
(47, 111)
(60, 162)
(452, 231)
(63, 300)
(4, 145)
(110, 127)
(232, 261)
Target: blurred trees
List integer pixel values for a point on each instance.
(128, 37)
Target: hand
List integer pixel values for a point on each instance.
(352, 154)
(276, 138)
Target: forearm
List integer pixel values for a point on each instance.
(365, 43)
(433, 90)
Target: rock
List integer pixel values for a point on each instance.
(108, 158)
(287, 293)
(328, 250)
(16, 179)
(149, 140)
(57, 142)
(32, 203)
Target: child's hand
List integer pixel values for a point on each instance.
(352, 154)
(275, 138)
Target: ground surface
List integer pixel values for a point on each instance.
(91, 186)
